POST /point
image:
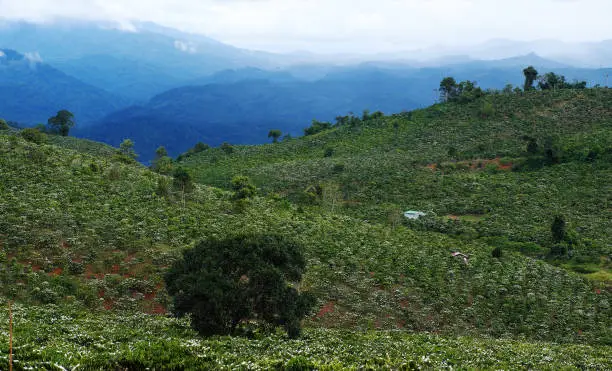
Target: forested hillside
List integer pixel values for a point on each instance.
(86, 235)
(500, 168)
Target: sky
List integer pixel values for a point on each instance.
(344, 26)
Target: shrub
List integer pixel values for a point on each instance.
(33, 135)
(329, 152)
(227, 148)
(243, 188)
(497, 252)
(223, 283)
(487, 110)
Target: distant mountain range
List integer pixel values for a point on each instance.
(160, 86)
(32, 91)
(135, 63)
(242, 106)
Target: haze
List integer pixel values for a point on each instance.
(343, 26)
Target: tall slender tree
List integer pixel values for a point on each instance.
(531, 74)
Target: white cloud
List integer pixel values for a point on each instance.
(185, 46)
(345, 25)
(33, 57)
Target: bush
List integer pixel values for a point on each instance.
(243, 188)
(33, 135)
(497, 252)
(227, 148)
(487, 110)
(223, 283)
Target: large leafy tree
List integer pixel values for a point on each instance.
(222, 283)
(126, 148)
(531, 74)
(274, 134)
(448, 88)
(62, 122)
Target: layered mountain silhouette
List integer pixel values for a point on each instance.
(32, 91)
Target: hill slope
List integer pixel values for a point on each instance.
(86, 230)
(450, 161)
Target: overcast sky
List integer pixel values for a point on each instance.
(345, 25)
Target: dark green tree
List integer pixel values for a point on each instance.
(162, 163)
(227, 148)
(532, 146)
(274, 134)
(558, 229)
(62, 122)
(161, 152)
(126, 148)
(200, 147)
(223, 283)
(531, 74)
(243, 187)
(317, 127)
(182, 180)
(3, 125)
(448, 88)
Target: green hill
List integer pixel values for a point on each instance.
(85, 240)
(470, 171)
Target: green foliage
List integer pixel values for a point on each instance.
(62, 122)
(463, 92)
(497, 252)
(126, 149)
(182, 180)
(274, 134)
(243, 188)
(552, 81)
(487, 110)
(317, 127)
(197, 148)
(162, 163)
(222, 283)
(227, 148)
(4, 125)
(557, 229)
(531, 74)
(33, 135)
(50, 337)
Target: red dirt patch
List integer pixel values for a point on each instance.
(327, 308)
(56, 272)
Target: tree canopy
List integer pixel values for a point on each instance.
(531, 74)
(223, 283)
(274, 134)
(62, 122)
